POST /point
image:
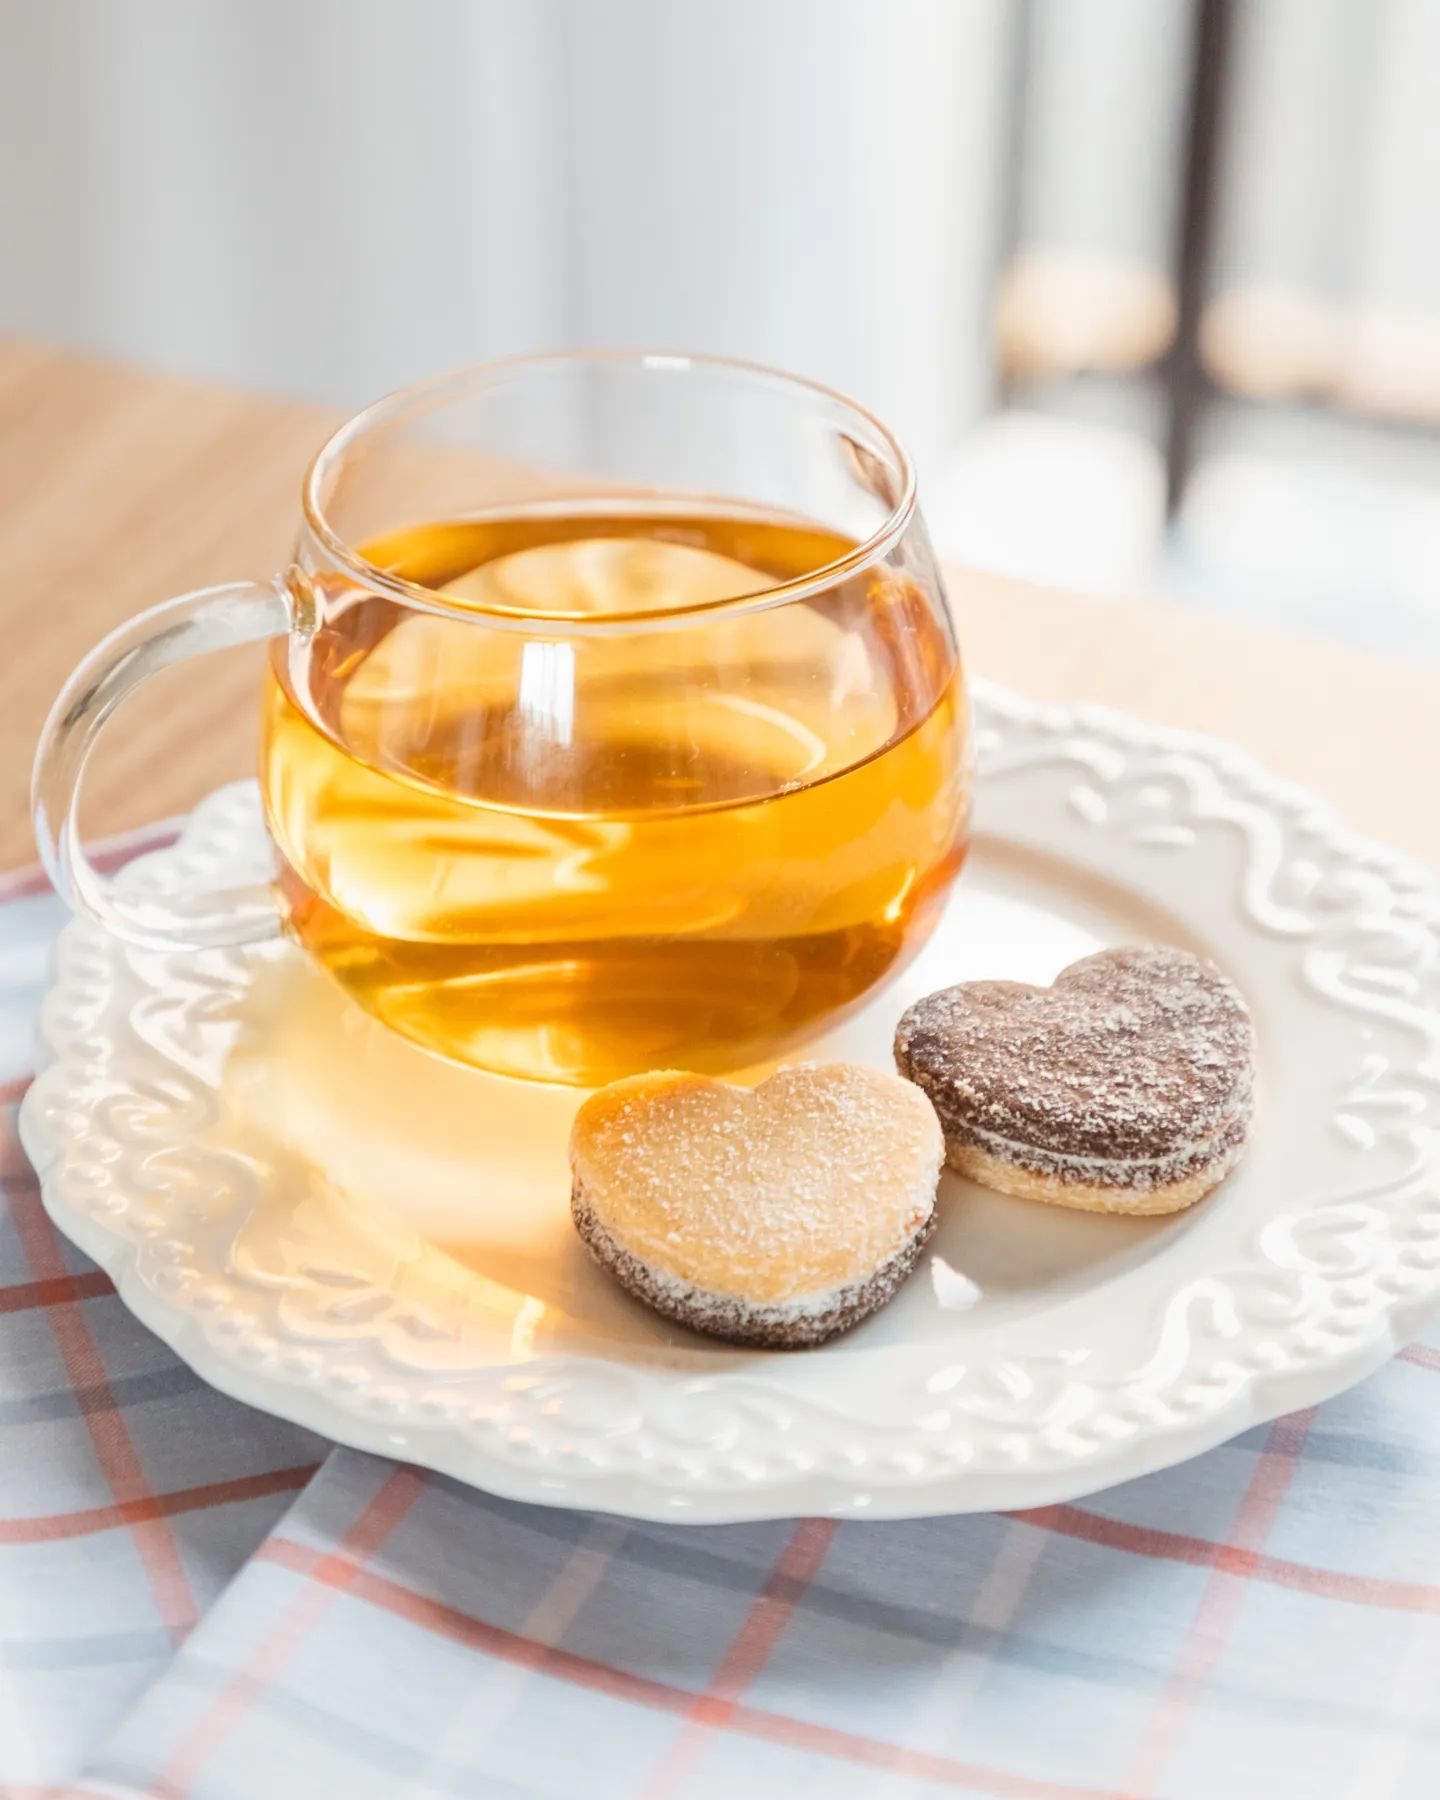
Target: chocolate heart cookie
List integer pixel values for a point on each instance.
(1125, 1087)
(778, 1216)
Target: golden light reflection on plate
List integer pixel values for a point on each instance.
(458, 1181)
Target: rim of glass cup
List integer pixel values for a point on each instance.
(420, 396)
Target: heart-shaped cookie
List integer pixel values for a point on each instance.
(778, 1216)
(1124, 1087)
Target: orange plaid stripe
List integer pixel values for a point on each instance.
(110, 1439)
(565, 1665)
(335, 1570)
(1219, 1603)
(794, 1569)
(58, 1290)
(1233, 1559)
(47, 1528)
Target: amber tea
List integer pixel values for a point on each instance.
(570, 853)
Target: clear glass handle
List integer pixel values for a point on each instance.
(192, 624)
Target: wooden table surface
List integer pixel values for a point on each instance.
(120, 488)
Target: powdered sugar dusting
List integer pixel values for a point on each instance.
(785, 1194)
(1131, 1069)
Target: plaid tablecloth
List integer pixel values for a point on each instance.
(196, 1600)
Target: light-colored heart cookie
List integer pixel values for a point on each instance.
(777, 1216)
(1124, 1087)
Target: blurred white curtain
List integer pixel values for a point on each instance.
(1328, 257)
(330, 197)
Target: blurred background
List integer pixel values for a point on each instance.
(1151, 287)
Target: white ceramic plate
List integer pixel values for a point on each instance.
(331, 1225)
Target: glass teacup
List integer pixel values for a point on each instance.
(613, 718)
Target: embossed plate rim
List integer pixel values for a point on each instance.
(779, 1448)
